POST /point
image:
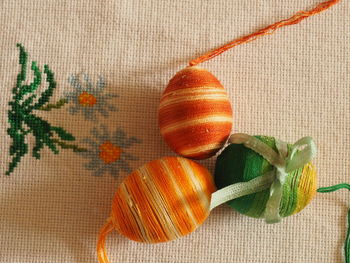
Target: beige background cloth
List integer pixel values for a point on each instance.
(289, 85)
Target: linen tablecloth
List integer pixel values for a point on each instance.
(288, 85)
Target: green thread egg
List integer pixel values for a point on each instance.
(236, 163)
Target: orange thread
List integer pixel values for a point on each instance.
(295, 19)
(87, 99)
(101, 251)
(109, 153)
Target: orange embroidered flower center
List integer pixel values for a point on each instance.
(109, 152)
(87, 99)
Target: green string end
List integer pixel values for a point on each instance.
(347, 239)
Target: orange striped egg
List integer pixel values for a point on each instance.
(162, 200)
(195, 114)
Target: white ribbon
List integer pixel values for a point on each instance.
(284, 162)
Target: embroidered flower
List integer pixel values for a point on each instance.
(88, 99)
(107, 151)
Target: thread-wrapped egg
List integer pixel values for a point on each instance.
(162, 200)
(195, 114)
(237, 164)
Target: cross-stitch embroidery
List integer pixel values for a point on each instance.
(89, 99)
(23, 120)
(107, 151)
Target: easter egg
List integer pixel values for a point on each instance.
(162, 200)
(237, 164)
(195, 114)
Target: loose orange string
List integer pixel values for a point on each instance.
(295, 19)
(101, 251)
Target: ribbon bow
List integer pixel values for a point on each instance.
(284, 160)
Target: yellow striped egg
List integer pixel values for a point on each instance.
(162, 200)
(195, 114)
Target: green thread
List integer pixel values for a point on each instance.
(347, 242)
(333, 188)
(57, 105)
(347, 239)
(238, 163)
(237, 190)
(290, 190)
(73, 147)
(22, 118)
(246, 166)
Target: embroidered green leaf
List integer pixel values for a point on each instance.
(63, 134)
(45, 96)
(73, 147)
(23, 57)
(22, 118)
(35, 83)
(56, 105)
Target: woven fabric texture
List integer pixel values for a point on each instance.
(288, 85)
